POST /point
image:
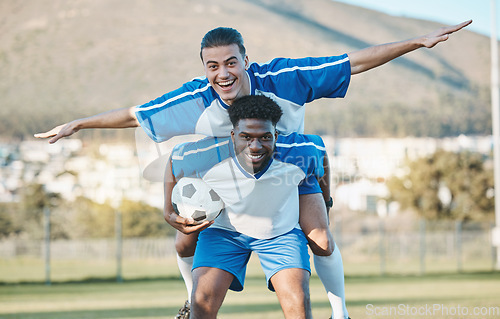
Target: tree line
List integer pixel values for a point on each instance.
(81, 218)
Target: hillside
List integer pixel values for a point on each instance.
(62, 59)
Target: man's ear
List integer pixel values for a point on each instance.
(247, 62)
(232, 135)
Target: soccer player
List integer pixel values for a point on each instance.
(256, 174)
(200, 106)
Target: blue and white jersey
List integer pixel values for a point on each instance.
(263, 205)
(196, 108)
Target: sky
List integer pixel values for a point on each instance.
(448, 12)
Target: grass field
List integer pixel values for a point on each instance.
(160, 295)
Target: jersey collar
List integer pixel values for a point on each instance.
(245, 172)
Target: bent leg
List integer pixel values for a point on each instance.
(219, 264)
(327, 258)
(185, 244)
(209, 290)
(285, 261)
(314, 223)
(292, 289)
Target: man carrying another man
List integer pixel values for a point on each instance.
(259, 183)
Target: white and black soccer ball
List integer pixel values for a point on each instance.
(193, 198)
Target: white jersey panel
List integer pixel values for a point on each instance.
(295, 113)
(214, 121)
(261, 208)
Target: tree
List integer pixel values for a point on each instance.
(34, 199)
(82, 218)
(138, 219)
(446, 185)
(7, 220)
(94, 220)
(142, 220)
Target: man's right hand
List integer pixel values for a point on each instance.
(186, 225)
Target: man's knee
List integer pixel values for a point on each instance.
(209, 289)
(292, 289)
(314, 224)
(321, 242)
(184, 248)
(201, 305)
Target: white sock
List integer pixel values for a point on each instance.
(331, 272)
(185, 265)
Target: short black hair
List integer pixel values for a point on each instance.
(222, 36)
(254, 107)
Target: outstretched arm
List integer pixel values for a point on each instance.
(369, 58)
(119, 118)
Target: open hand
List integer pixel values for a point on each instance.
(58, 132)
(442, 34)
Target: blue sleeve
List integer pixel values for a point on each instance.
(304, 80)
(176, 112)
(305, 151)
(194, 159)
(309, 185)
(308, 153)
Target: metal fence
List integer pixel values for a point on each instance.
(379, 247)
(97, 249)
(429, 246)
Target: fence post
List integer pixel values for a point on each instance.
(381, 228)
(458, 239)
(46, 214)
(422, 246)
(493, 248)
(118, 234)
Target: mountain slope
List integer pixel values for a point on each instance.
(64, 59)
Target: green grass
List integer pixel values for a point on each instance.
(162, 297)
(33, 270)
(153, 289)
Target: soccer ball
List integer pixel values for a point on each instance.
(193, 198)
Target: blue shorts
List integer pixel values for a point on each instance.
(230, 251)
(310, 185)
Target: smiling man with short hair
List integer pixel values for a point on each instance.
(259, 175)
